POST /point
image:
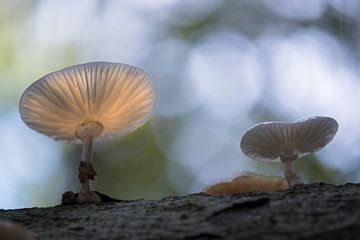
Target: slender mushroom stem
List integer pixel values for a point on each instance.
(86, 154)
(85, 186)
(289, 170)
(87, 132)
(85, 165)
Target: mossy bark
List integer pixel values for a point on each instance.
(314, 211)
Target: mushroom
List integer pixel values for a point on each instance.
(274, 141)
(87, 102)
(250, 182)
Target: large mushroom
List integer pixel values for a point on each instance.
(85, 102)
(286, 142)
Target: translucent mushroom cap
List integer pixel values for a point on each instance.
(118, 96)
(267, 141)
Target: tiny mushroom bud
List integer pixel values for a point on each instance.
(250, 182)
(85, 102)
(274, 141)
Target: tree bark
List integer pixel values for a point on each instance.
(314, 211)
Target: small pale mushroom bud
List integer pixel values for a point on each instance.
(274, 141)
(250, 182)
(87, 102)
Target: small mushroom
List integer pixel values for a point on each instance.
(250, 182)
(85, 102)
(274, 141)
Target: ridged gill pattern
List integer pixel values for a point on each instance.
(119, 96)
(263, 141)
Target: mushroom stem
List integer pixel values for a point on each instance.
(86, 170)
(85, 186)
(87, 173)
(289, 170)
(86, 132)
(87, 148)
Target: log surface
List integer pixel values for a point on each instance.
(314, 211)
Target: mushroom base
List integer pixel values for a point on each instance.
(71, 198)
(293, 179)
(291, 176)
(86, 173)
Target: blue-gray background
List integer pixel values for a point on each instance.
(219, 66)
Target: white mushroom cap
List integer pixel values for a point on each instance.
(267, 141)
(118, 96)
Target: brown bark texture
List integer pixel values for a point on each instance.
(313, 211)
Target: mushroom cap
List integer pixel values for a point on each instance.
(266, 141)
(118, 96)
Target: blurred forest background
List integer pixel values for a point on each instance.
(219, 66)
